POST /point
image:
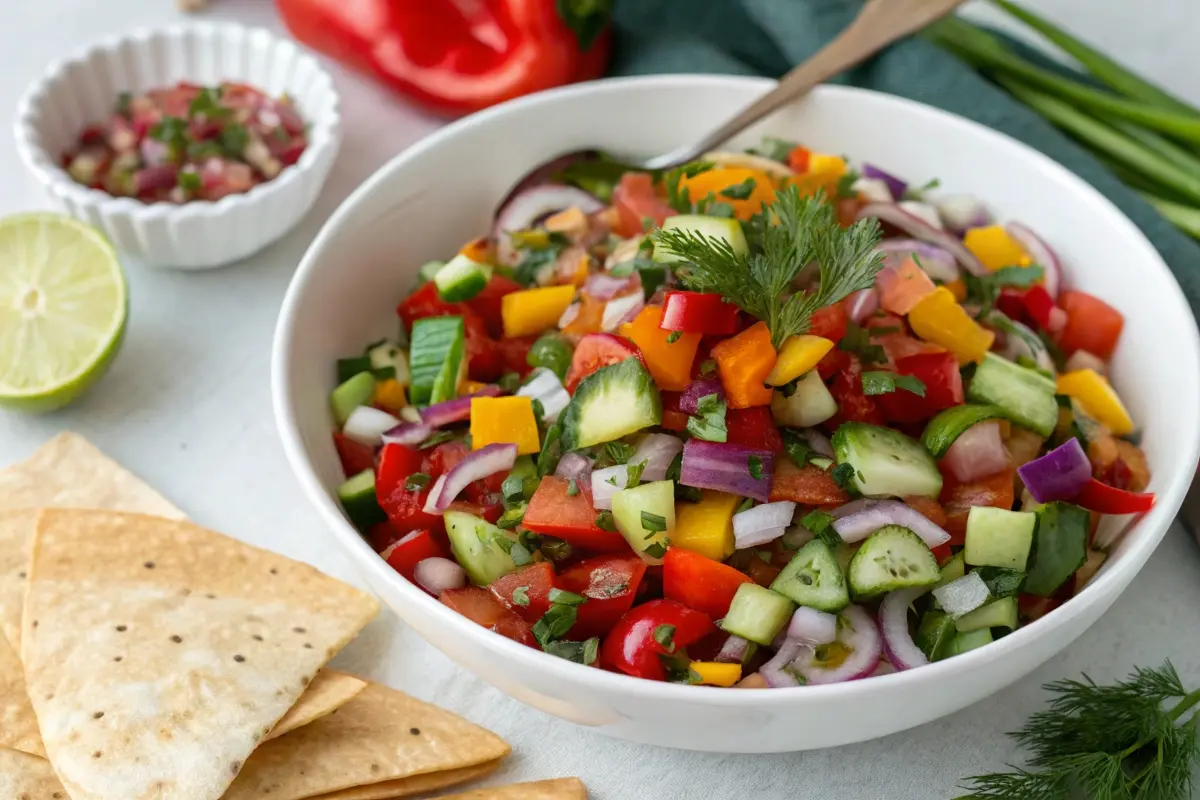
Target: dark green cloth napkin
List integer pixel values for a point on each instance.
(768, 37)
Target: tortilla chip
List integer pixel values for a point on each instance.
(417, 784)
(26, 777)
(158, 654)
(16, 535)
(559, 789)
(18, 725)
(382, 736)
(328, 692)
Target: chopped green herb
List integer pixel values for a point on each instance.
(821, 525)
(674, 336)
(858, 341)
(653, 522)
(513, 489)
(740, 191)
(233, 139)
(572, 488)
(604, 521)
(874, 383)
(842, 474)
(709, 420)
(555, 623)
(708, 368)
(665, 636)
(755, 465)
(919, 192)
(509, 382)
(584, 652)
(417, 481)
(619, 452)
(985, 289)
(438, 437)
(845, 184)
(797, 448)
(124, 103)
(171, 131)
(520, 554)
(656, 550)
(566, 598)
(206, 102)
(556, 549)
(547, 460)
(512, 517)
(520, 596)
(189, 181)
(633, 473)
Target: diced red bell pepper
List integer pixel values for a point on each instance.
(1011, 303)
(555, 513)
(633, 648)
(752, 427)
(853, 404)
(1040, 307)
(396, 463)
(610, 584)
(672, 418)
(487, 303)
(808, 485)
(515, 354)
(958, 498)
(1092, 325)
(635, 200)
(415, 547)
(942, 552)
(829, 323)
(596, 351)
(448, 455)
(1101, 497)
(699, 312)
(425, 302)
(479, 606)
(943, 388)
(535, 583)
(355, 456)
(382, 535)
(798, 158)
(698, 582)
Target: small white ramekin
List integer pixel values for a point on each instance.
(83, 89)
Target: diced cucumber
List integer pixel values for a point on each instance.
(1000, 613)
(612, 402)
(962, 596)
(437, 352)
(891, 558)
(813, 578)
(482, 549)
(1027, 396)
(952, 570)
(965, 642)
(810, 404)
(1059, 547)
(820, 462)
(350, 395)
(997, 537)
(725, 229)
(935, 635)
(429, 270)
(461, 279)
(358, 499)
(347, 368)
(886, 462)
(757, 614)
(640, 511)
(948, 425)
(1001, 582)
(387, 356)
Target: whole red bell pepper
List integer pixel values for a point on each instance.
(650, 631)
(455, 56)
(699, 312)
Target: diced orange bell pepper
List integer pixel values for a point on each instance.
(958, 288)
(670, 363)
(938, 318)
(389, 395)
(480, 250)
(903, 286)
(717, 180)
(531, 311)
(571, 222)
(993, 246)
(503, 420)
(1098, 399)
(823, 173)
(744, 362)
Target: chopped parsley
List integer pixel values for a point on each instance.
(555, 623)
(858, 341)
(740, 191)
(665, 636)
(512, 517)
(656, 550)
(233, 139)
(190, 181)
(619, 452)
(874, 383)
(565, 598)
(755, 464)
(798, 449)
(821, 525)
(584, 652)
(513, 489)
(417, 481)
(653, 522)
(708, 368)
(633, 473)
(709, 422)
(604, 521)
(171, 131)
(985, 289)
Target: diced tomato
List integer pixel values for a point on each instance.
(834, 362)
(1031, 607)
(1011, 303)
(761, 572)
(487, 303)
(610, 584)
(928, 507)
(490, 508)
(853, 405)
(445, 457)
(798, 158)
(958, 498)
(416, 546)
(808, 485)
(555, 513)
(515, 354)
(829, 323)
(672, 418)
(355, 456)
(633, 646)
(942, 552)
(382, 535)
(943, 388)
(405, 509)
(480, 607)
(699, 582)
(534, 583)
(595, 351)
(396, 463)
(1092, 324)
(1041, 309)
(635, 200)
(753, 427)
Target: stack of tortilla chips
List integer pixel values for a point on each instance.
(145, 658)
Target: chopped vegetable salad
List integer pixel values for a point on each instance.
(767, 420)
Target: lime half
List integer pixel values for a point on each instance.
(63, 302)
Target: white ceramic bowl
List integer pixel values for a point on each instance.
(83, 89)
(441, 192)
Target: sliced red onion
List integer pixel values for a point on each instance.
(977, 452)
(779, 672)
(862, 304)
(367, 425)
(914, 226)
(151, 179)
(521, 210)
(762, 524)
(962, 212)
(575, 466)
(656, 451)
(923, 211)
(872, 190)
(409, 434)
(1041, 253)
(1058, 475)
(621, 310)
(810, 626)
(603, 286)
(701, 387)
(854, 506)
(962, 596)
(457, 410)
(898, 643)
(1082, 359)
(477, 465)
(818, 441)
(859, 634)
(435, 575)
(548, 390)
(725, 467)
(569, 315)
(896, 187)
(938, 263)
(861, 524)
(607, 482)
(735, 650)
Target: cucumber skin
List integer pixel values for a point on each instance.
(1000, 613)
(846, 441)
(1059, 547)
(484, 562)
(350, 395)
(966, 642)
(862, 587)
(434, 341)
(1000, 376)
(646, 413)
(945, 428)
(362, 508)
(935, 635)
(746, 620)
(831, 597)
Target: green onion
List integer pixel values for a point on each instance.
(1186, 218)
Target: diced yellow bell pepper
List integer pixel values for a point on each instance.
(571, 222)
(798, 355)
(504, 419)
(938, 318)
(531, 311)
(1098, 399)
(715, 673)
(706, 527)
(390, 395)
(993, 246)
(824, 172)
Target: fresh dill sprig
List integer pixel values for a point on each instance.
(1114, 742)
(792, 233)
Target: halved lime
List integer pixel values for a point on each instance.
(63, 301)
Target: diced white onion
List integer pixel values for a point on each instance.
(366, 425)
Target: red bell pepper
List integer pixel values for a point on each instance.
(596, 351)
(1040, 306)
(355, 456)
(943, 388)
(635, 646)
(672, 418)
(572, 518)
(610, 584)
(480, 607)
(396, 463)
(829, 323)
(853, 404)
(534, 583)
(699, 582)
(1092, 325)
(753, 427)
(415, 547)
(457, 57)
(1101, 497)
(699, 312)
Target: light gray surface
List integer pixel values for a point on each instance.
(187, 405)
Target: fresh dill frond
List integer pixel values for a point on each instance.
(792, 233)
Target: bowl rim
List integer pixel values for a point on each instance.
(1158, 520)
(324, 128)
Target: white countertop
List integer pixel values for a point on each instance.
(187, 406)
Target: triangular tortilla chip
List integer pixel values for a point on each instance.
(417, 784)
(380, 736)
(328, 692)
(158, 654)
(559, 789)
(18, 725)
(26, 777)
